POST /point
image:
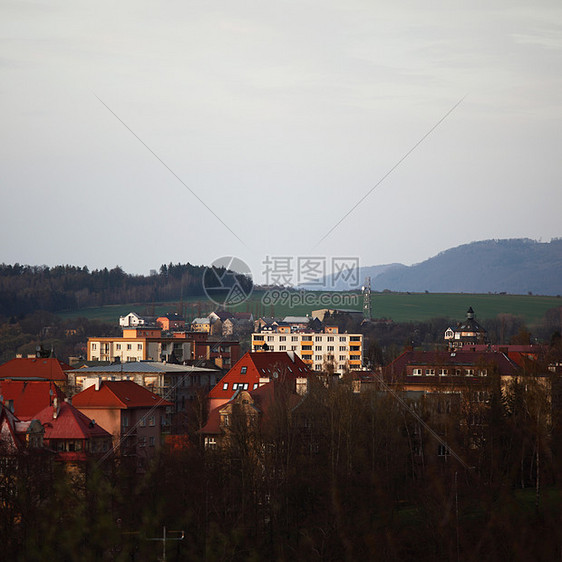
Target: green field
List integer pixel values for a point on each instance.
(400, 307)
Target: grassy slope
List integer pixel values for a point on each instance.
(400, 307)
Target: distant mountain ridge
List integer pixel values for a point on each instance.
(516, 266)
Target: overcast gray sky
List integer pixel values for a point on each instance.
(280, 116)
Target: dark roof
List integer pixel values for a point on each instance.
(445, 358)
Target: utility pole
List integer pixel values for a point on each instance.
(367, 310)
(165, 538)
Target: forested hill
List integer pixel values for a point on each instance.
(25, 289)
(516, 266)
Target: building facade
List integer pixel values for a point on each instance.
(324, 351)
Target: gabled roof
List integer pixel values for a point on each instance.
(118, 394)
(69, 424)
(29, 397)
(34, 368)
(272, 364)
(201, 321)
(223, 315)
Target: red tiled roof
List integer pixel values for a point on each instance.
(69, 424)
(118, 394)
(34, 368)
(260, 364)
(29, 397)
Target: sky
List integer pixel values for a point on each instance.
(142, 133)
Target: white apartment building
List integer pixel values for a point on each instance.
(317, 350)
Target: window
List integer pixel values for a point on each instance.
(430, 372)
(330, 338)
(151, 441)
(282, 338)
(245, 386)
(94, 346)
(342, 338)
(142, 422)
(129, 346)
(416, 372)
(151, 421)
(343, 348)
(210, 443)
(225, 386)
(318, 357)
(483, 372)
(118, 346)
(342, 357)
(355, 357)
(142, 441)
(293, 348)
(470, 372)
(243, 370)
(294, 338)
(255, 385)
(354, 338)
(234, 386)
(282, 348)
(139, 346)
(330, 348)
(317, 348)
(269, 338)
(317, 338)
(443, 451)
(258, 337)
(317, 367)
(443, 372)
(125, 420)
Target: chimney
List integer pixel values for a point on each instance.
(56, 408)
(97, 384)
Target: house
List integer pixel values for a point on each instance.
(36, 369)
(177, 383)
(136, 418)
(133, 320)
(148, 344)
(327, 350)
(201, 325)
(171, 321)
(253, 366)
(17, 435)
(25, 398)
(72, 435)
(445, 371)
(467, 332)
(249, 416)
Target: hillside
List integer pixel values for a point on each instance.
(516, 266)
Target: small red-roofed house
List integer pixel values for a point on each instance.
(135, 417)
(250, 414)
(36, 369)
(253, 366)
(71, 434)
(25, 398)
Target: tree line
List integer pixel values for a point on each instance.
(345, 476)
(25, 289)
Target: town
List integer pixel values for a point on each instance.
(299, 444)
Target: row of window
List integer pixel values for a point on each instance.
(260, 337)
(117, 346)
(445, 372)
(239, 386)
